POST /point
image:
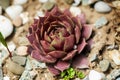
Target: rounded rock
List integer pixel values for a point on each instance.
(115, 56)
(17, 21)
(75, 10)
(94, 75)
(102, 7)
(43, 1)
(104, 65)
(6, 27)
(14, 11)
(19, 2)
(22, 51)
(14, 67)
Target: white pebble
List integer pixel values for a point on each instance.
(6, 78)
(6, 27)
(115, 56)
(94, 75)
(39, 14)
(76, 2)
(43, 1)
(11, 46)
(19, 2)
(102, 7)
(75, 10)
(22, 51)
(14, 11)
(24, 17)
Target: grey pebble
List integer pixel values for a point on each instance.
(101, 22)
(102, 7)
(25, 76)
(19, 59)
(93, 57)
(35, 64)
(48, 5)
(118, 78)
(1, 73)
(86, 78)
(14, 67)
(104, 65)
(114, 74)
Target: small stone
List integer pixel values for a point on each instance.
(37, 64)
(93, 57)
(19, 2)
(94, 75)
(43, 1)
(85, 2)
(76, 2)
(48, 5)
(11, 46)
(116, 4)
(32, 74)
(24, 17)
(28, 65)
(86, 78)
(115, 56)
(25, 76)
(19, 59)
(75, 10)
(118, 78)
(4, 3)
(6, 78)
(1, 73)
(6, 27)
(22, 51)
(101, 22)
(17, 21)
(102, 7)
(113, 74)
(104, 65)
(22, 41)
(39, 14)
(14, 11)
(3, 55)
(14, 67)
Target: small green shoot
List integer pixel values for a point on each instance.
(71, 73)
(2, 40)
(80, 75)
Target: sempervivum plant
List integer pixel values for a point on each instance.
(57, 38)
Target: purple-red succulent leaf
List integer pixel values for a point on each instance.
(69, 42)
(46, 37)
(70, 55)
(58, 43)
(46, 46)
(82, 18)
(81, 46)
(57, 54)
(80, 61)
(87, 30)
(44, 58)
(53, 70)
(62, 65)
(31, 38)
(77, 34)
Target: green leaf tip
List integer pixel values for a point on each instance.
(2, 40)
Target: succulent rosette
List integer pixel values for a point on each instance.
(57, 38)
